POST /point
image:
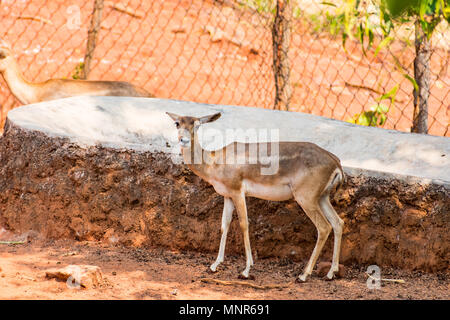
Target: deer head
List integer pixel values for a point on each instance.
(187, 126)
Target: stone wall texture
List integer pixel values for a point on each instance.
(61, 190)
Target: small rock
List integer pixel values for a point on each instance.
(324, 267)
(87, 276)
(110, 237)
(411, 217)
(27, 278)
(73, 253)
(174, 292)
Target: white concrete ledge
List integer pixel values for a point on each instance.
(141, 124)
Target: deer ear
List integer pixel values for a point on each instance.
(210, 118)
(174, 116)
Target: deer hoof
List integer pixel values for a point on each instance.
(211, 269)
(302, 278)
(242, 277)
(330, 275)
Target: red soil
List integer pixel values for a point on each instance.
(131, 273)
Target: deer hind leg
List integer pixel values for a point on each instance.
(227, 215)
(314, 212)
(241, 209)
(337, 223)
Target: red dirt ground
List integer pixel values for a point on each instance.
(155, 273)
(207, 52)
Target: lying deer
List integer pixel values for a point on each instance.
(27, 92)
(305, 172)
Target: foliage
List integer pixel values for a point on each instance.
(78, 71)
(362, 20)
(330, 22)
(377, 115)
(261, 6)
(355, 18)
(350, 21)
(429, 13)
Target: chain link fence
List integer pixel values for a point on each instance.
(222, 52)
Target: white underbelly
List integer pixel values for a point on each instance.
(279, 192)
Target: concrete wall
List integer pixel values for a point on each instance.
(109, 168)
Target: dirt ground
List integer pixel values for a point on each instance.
(155, 273)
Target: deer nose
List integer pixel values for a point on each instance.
(184, 140)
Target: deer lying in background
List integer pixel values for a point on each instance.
(305, 172)
(27, 92)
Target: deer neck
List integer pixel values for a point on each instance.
(23, 90)
(196, 158)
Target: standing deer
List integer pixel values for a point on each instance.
(305, 172)
(27, 92)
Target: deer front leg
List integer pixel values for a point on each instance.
(227, 215)
(241, 208)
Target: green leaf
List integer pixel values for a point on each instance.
(389, 95)
(367, 25)
(382, 119)
(383, 44)
(382, 109)
(364, 119)
(446, 12)
(399, 7)
(344, 40)
(438, 5)
(371, 36)
(297, 12)
(360, 35)
(386, 25)
(352, 120)
(328, 4)
(412, 80)
(423, 8)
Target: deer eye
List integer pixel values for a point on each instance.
(177, 124)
